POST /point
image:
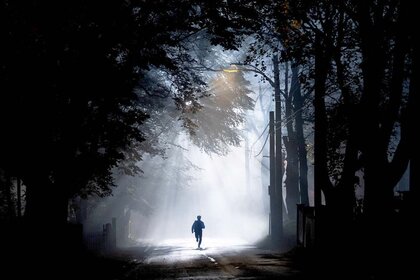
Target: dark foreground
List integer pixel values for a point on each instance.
(173, 259)
(218, 259)
(179, 259)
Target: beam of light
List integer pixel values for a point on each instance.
(232, 208)
(218, 193)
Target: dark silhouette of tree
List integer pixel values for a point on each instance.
(270, 38)
(78, 84)
(68, 78)
(210, 121)
(361, 60)
(290, 142)
(298, 104)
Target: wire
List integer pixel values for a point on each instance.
(290, 118)
(265, 142)
(262, 133)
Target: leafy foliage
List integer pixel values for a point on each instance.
(68, 109)
(214, 126)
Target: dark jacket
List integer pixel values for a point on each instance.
(197, 226)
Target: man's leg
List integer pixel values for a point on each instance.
(200, 237)
(196, 237)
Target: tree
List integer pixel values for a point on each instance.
(76, 109)
(361, 57)
(211, 121)
(299, 106)
(214, 127)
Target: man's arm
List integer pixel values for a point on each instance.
(192, 228)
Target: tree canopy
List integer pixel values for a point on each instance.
(69, 111)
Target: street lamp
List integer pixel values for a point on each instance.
(232, 70)
(276, 172)
(276, 162)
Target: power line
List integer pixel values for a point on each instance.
(265, 142)
(262, 133)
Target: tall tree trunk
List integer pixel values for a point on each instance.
(345, 191)
(377, 124)
(377, 197)
(278, 151)
(412, 124)
(300, 139)
(412, 240)
(411, 230)
(291, 182)
(321, 177)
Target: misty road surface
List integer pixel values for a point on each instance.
(218, 259)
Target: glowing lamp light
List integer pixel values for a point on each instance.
(234, 69)
(231, 70)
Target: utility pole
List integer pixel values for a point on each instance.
(276, 161)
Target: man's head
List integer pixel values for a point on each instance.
(198, 217)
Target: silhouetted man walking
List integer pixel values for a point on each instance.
(197, 227)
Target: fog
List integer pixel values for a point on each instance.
(229, 192)
(218, 192)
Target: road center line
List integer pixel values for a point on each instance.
(210, 258)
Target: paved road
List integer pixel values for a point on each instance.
(218, 259)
